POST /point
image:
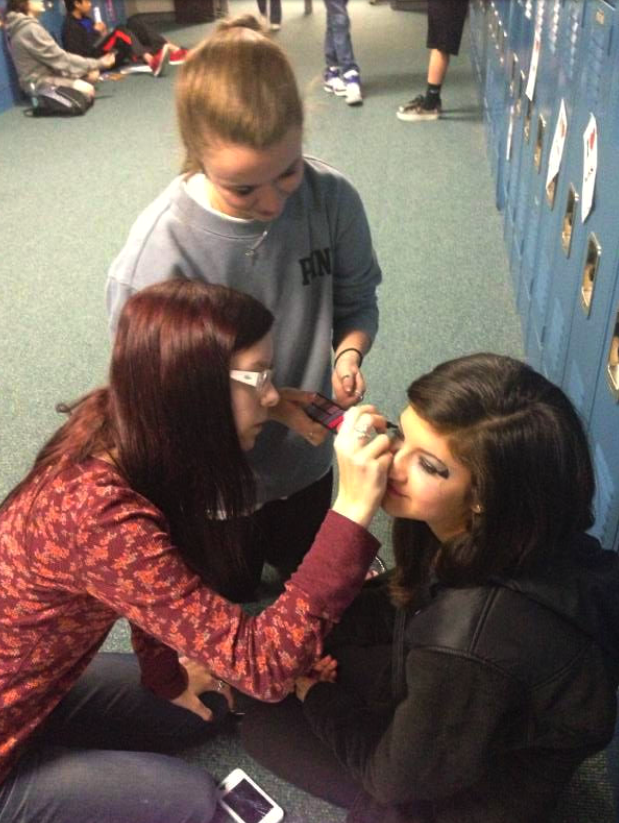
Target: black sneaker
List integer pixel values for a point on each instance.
(416, 110)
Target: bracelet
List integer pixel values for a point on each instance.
(351, 348)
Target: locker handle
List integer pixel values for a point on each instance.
(589, 274)
(612, 367)
(551, 190)
(521, 87)
(527, 120)
(513, 80)
(539, 142)
(568, 220)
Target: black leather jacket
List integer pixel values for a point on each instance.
(498, 693)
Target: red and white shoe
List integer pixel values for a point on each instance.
(160, 61)
(177, 56)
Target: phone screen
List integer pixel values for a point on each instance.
(325, 412)
(250, 805)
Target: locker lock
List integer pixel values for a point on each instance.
(551, 190)
(568, 220)
(612, 367)
(539, 143)
(589, 274)
(527, 120)
(513, 77)
(521, 86)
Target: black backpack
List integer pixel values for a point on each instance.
(49, 100)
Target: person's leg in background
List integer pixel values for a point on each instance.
(445, 27)
(97, 758)
(154, 43)
(150, 39)
(85, 85)
(342, 75)
(275, 17)
(125, 45)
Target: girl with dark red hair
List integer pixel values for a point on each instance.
(121, 516)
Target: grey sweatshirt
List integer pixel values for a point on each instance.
(37, 55)
(315, 270)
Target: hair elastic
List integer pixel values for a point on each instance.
(350, 348)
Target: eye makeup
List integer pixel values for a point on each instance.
(430, 468)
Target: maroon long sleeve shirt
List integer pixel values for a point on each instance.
(82, 549)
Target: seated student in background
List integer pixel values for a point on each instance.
(121, 516)
(39, 59)
(134, 43)
(476, 678)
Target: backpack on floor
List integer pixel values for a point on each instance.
(58, 101)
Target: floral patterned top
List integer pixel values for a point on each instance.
(80, 549)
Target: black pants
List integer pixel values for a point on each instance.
(445, 24)
(279, 737)
(131, 42)
(281, 533)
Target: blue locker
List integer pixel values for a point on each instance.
(598, 66)
(559, 236)
(599, 263)
(597, 275)
(506, 123)
(479, 36)
(532, 162)
(521, 40)
(558, 57)
(9, 87)
(518, 35)
(550, 217)
(496, 83)
(603, 428)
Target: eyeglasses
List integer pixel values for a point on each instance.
(258, 379)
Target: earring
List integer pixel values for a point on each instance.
(477, 509)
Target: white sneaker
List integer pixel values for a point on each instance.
(353, 88)
(274, 26)
(333, 83)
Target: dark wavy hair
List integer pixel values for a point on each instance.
(166, 417)
(526, 449)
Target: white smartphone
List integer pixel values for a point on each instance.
(246, 802)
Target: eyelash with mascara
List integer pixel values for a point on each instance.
(433, 470)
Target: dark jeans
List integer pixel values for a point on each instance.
(99, 756)
(281, 533)
(279, 737)
(276, 10)
(338, 42)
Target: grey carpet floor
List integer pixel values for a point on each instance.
(70, 190)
